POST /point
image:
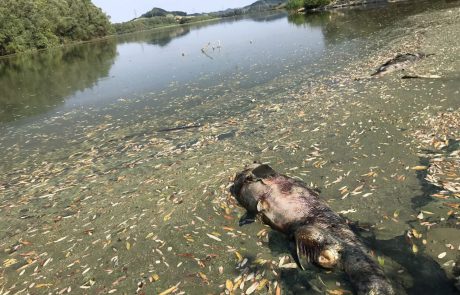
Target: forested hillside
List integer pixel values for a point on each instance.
(38, 24)
(158, 17)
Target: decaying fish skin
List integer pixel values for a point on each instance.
(456, 272)
(399, 62)
(321, 236)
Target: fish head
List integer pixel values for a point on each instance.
(248, 188)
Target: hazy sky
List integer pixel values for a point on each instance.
(124, 10)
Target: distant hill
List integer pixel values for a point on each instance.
(161, 12)
(264, 5)
(158, 17)
(258, 6)
(261, 5)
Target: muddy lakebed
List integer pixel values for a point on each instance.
(102, 191)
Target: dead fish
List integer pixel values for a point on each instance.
(456, 272)
(400, 61)
(322, 237)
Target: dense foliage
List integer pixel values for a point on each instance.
(38, 24)
(143, 24)
(158, 17)
(307, 4)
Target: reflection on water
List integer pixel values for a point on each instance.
(35, 83)
(160, 37)
(254, 49)
(153, 61)
(361, 21)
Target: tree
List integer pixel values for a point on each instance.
(38, 24)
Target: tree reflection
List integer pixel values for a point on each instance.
(159, 37)
(35, 83)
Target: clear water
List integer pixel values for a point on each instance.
(96, 198)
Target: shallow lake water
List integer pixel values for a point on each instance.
(103, 190)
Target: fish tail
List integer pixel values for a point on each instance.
(365, 274)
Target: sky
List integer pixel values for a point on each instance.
(124, 10)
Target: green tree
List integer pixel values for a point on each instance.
(38, 24)
(307, 4)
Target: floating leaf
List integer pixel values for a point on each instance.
(204, 278)
(38, 286)
(260, 261)
(453, 205)
(154, 278)
(168, 216)
(229, 285)
(262, 284)
(252, 288)
(278, 290)
(416, 234)
(9, 262)
(214, 237)
(338, 292)
(170, 290)
(419, 168)
(238, 256)
(381, 260)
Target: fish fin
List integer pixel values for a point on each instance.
(259, 206)
(247, 218)
(308, 245)
(263, 171)
(313, 245)
(262, 206)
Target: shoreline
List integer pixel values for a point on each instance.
(362, 3)
(350, 4)
(64, 45)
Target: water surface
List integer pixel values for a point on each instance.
(95, 198)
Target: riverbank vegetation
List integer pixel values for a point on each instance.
(38, 24)
(306, 4)
(158, 17)
(147, 23)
